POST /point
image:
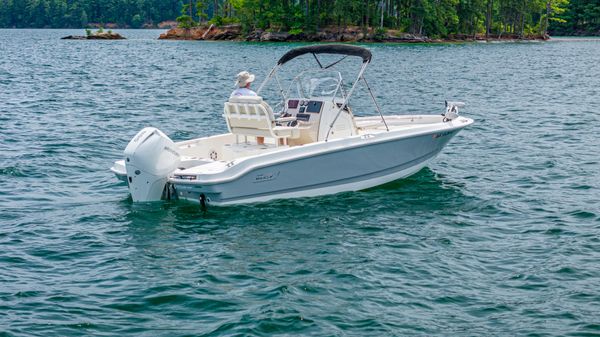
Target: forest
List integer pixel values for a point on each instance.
(582, 17)
(433, 18)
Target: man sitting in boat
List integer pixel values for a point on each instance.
(243, 82)
(244, 79)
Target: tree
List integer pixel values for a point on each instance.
(136, 21)
(553, 9)
(200, 8)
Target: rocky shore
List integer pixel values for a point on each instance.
(234, 32)
(334, 34)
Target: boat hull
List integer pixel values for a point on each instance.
(357, 164)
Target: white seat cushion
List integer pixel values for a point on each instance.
(251, 116)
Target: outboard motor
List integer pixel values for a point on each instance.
(149, 159)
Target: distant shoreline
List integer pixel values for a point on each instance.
(328, 34)
(225, 33)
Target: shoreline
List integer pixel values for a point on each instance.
(328, 34)
(171, 34)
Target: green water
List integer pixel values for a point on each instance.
(499, 236)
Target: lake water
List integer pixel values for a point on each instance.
(499, 236)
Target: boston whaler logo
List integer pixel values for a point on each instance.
(443, 134)
(262, 177)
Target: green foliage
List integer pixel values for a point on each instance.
(579, 17)
(88, 32)
(216, 20)
(434, 18)
(200, 8)
(79, 13)
(379, 34)
(296, 31)
(185, 21)
(136, 21)
(222, 21)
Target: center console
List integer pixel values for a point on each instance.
(308, 115)
(315, 116)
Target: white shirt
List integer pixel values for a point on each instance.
(243, 92)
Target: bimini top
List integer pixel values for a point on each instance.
(342, 49)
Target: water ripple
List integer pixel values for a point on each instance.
(500, 236)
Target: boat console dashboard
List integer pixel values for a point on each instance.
(304, 110)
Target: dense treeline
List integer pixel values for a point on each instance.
(80, 13)
(581, 18)
(434, 18)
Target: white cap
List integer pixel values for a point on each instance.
(243, 79)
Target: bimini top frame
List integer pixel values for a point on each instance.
(340, 49)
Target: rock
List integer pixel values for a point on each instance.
(204, 32)
(176, 34)
(327, 37)
(74, 37)
(400, 37)
(96, 36)
(347, 37)
(105, 36)
(254, 36)
(275, 37)
(167, 24)
(197, 33)
(225, 35)
(228, 32)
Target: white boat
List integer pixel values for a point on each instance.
(314, 146)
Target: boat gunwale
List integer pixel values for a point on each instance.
(378, 138)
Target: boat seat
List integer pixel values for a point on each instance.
(251, 116)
